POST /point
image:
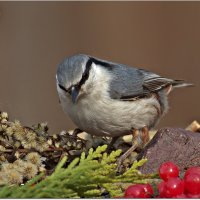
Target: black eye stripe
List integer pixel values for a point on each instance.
(85, 75)
(62, 88)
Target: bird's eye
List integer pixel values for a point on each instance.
(62, 88)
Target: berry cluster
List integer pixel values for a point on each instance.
(174, 187)
(171, 186)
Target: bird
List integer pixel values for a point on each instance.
(104, 98)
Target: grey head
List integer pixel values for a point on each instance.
(70, 71)
(74, 71)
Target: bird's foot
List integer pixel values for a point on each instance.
(140, 138)
(124, 156)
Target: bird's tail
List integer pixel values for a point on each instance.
(181, 83)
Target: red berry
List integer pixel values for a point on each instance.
(192, 170)
(174, 187)
(148, 190)
(168, 170)
(135, 191)
(161, 189)
(192, 184)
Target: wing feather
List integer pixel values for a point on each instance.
(157, 83)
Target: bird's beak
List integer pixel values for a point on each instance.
(74, 94)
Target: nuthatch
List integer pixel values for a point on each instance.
(108, 99)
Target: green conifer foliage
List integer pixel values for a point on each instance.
(87, 176)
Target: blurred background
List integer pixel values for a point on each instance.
(35, 37)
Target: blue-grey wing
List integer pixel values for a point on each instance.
(132, 83)
(129, 83)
